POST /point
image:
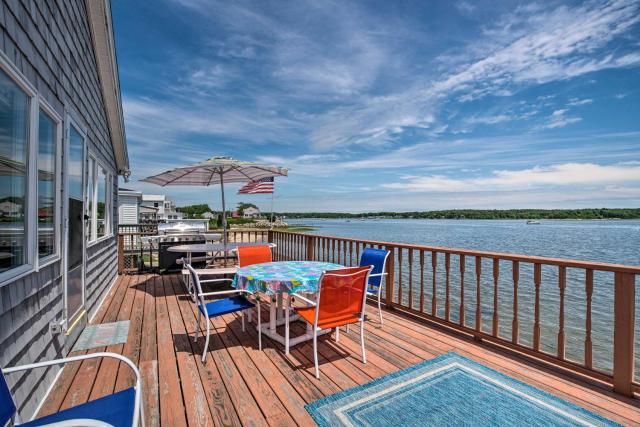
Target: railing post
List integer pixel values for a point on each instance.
(623, 335)
(310, 245)
(120, 253)
(391, 270)
(270, 236)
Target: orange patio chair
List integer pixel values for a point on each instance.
(248, 255)
(340, 302)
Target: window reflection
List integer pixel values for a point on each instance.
(90, 200)
(102, 202)
(46, 185)
(14, 132)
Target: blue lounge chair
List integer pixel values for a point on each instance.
(378, 259)
(234, 303)
(118, 410)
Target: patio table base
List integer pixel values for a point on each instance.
(277, 319)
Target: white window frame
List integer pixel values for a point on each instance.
(92, 238)
(57, 229)
(30, 213)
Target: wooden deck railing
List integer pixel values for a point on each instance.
(135, 255)
(574, 314)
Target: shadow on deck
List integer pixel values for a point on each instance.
(240, 385)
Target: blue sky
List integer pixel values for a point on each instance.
(408, 105)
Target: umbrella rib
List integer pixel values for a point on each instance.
(213, 172)
(177, 178)
(238, 169)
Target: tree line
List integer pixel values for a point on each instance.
(591, 213)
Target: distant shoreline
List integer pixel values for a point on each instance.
(513, 214)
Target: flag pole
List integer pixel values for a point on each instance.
(272, 193)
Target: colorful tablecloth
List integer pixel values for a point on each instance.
(284, 276)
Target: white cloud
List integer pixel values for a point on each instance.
(567, 174)
(559, 119)
(574, 102)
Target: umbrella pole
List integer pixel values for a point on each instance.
(224, 211)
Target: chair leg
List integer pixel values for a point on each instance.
(198, 325)
(242, 316)
(286, 326)
(258, 315)
(315, 351)
(347, 328)
(364, 356)
(380, 308)
(337, 333)
(206, 343)
(249, 316)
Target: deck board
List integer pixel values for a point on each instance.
(241, 385)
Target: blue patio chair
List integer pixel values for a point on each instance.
(236, 302)
(118, 409)
(378, 259)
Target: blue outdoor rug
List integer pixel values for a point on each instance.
(102, 335)
(449, 390)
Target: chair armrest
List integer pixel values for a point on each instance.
(377, 275)
(305, 299)
(234, 291)
(137, 410)
(216, 280)
(84, 422)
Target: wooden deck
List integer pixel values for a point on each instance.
(240, 385)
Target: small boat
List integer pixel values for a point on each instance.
(533, 222)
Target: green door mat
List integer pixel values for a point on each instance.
(102, 335)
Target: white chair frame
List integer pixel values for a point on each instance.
(316, 329)
(200, 298)
(138, 412)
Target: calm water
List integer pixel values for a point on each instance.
(602, 241)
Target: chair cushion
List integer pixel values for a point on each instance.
(115, 409)
(225, 306)
(309, 313)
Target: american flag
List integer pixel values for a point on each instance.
(261, 186)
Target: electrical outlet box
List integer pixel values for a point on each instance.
(57, 327)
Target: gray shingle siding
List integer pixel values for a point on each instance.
(50, 43)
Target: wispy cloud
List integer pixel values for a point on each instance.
(529, 46)
(567, 174)
(559, 119)
(574, 102)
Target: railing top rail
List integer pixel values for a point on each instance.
(565, 262)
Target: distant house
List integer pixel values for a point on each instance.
(208, 215)
(129, 206)
(166, 207)
(148, 214)
(251, 212)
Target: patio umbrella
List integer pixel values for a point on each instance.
(216, 170)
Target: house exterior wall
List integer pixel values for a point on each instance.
(50, 44)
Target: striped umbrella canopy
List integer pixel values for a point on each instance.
(216, 170)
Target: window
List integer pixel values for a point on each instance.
(15, 107)
(90, 200)
(98, 201)
(101, 204)
(47, 178)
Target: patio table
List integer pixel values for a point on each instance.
(276, 279)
